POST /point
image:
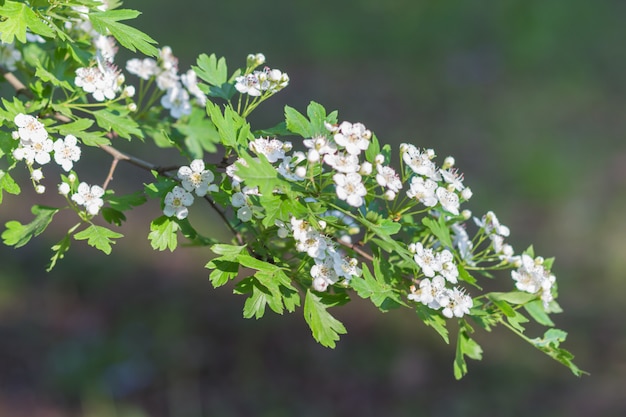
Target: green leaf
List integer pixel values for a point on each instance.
(98, 237)
(325, 328)
(127, 36)
(281, 207)
(79, 129)
(47, 76)
(381, 293)
(121, 124)
(61, 248)
(439, 229)
(298, 123)
(227, 123)
(465, 347)
(8, 184)
(550, 344)
(432, 319)
(227, 250)
(200, 133)
(17, 18)
(372, 150)
(513, 297)
(17, 234)
(163, 233)
(113, 216)
(260, 173)
(212, 70)
(223, 271)
(536, 311)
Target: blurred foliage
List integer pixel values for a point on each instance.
(529, 98)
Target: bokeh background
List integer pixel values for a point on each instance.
(528, 95)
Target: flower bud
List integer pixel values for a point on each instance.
(64, 188)
(448, 162)
(380, 159)
(40, 189)
(466, 214)
(366, 168)
(36, 175)
(467, 193)
(301, 171)
(15, 135)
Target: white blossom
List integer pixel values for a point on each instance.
(176, 203)
(355, 138)
(343, 162)
(272, 149)
(350, 188)
(190, 81)
(387, 177)
(426, 259)
(66, 152)
(419, 162)
(143, 68)
(423, 190)
(176, 99)
(29, 128)
(458, 303)
(90, 197)
(449, 200)
(195, 178)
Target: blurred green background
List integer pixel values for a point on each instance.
(528, 96)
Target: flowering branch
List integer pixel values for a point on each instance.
(314, 222)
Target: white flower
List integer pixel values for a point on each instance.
(323, 273)
(167, 79)
(343, 162)
(448, 269)
(168, 60)
(354, 137)
(449, 200)
(36, 151)
(432, 293)
(143, 68)
(286, 169)
(425, 258)
(423, 190)
(195, 178)
(419, 162)
(453, 177)
(300, 228)
(345, 267)
(350, 188)
(103, 81)
(458, 303)
(462, 241)
(491, 225)
(248, 84)
(190, 81)
(90, 197)
(64, 188)
(176, 203)
(532, 277)
(387, 177)
(313, 243)
(30, 129)
(272, 149)
(176, 99)
(66, 152)
(36, 175)
(318, 147)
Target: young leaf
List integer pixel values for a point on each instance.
(127, 36)
(431, 318)
(17, 234)
(211, 70)
(465, 346)
(536, 311)
(163, 234)
(325, 328)
(8, 184)
(381, 294)
(550, 343)
(298, 123)
(17, 17)
(121, 124)
(99, 237)
(61, 248)
(223, 270)
(440, 230)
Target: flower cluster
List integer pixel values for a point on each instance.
(178, 88)
(194, 178)
(89, 196)
(430, 185)
(267, 81)
(534, 278)
(36, 146)
(331, 265)
(433, 292)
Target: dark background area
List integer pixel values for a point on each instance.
(528, 96)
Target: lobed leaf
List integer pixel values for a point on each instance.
(107, 22)
(17, 234)
(325, 328)
(98, 237)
